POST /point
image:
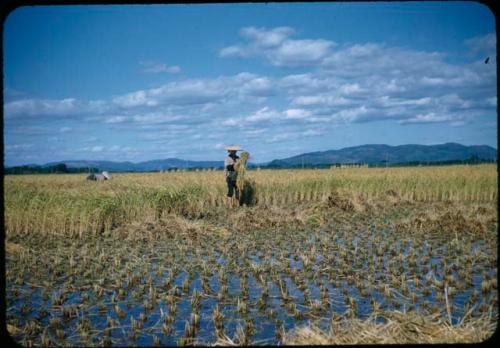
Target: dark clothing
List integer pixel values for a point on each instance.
(231, 175)
(229, 162)
(231, 186)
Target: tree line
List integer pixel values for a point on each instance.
(472, 160)
(60, 168)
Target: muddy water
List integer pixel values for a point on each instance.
(145, 283)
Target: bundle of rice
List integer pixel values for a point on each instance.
(240, 168)
(245, 186)
(398, 328)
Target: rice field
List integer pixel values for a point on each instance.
(157, 258)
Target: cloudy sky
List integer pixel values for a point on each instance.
(135, 83)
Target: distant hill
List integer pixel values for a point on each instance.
(365, 154)
(381, 154)
(148, 166)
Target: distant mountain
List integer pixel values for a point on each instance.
(379, 154)
(366, 154)
(155, 165)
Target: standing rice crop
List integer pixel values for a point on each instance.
(72, 205)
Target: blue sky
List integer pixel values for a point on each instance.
(143, 82)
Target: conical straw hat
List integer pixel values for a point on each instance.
(232, 147)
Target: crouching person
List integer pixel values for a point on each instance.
(99, 177)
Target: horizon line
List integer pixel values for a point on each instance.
(218, 160)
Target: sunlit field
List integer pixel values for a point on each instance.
(69, 204)
(158, 258)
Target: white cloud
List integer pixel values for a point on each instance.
(313, 132)
(457, 123)
(111, 149)
(280, 137)
(301, 80)
(156, 118)
(255, 132)
(296, 113)
(312, 100)
(387, 101)
(30, 130)
(276, 46)
(363, 50)
(266, 38)
(364, 82)
(230, 122)
(156, 67)
(350, 115)
(66, 107)
(430, 117)
(264, 114)
(294, 133)
(491, 101)
(116, 119)
(350, 88)
(392, 86)
(315, 119)
(41, 107)
(454, 101)
(485, 44)
(208, 107)
(373, 59)
(432, 81)
(186, 92)
(232, 51)
(18, 147)
(119, 148)
(300, 52)
(322, 96)
(146, 106)
(258, 86)
(138, 98)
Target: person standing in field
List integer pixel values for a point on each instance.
(231, 174)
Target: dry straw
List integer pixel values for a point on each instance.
(241, 170)
(70, 205)
(399, 328)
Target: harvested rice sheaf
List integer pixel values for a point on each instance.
(398, 328)
(453, 220)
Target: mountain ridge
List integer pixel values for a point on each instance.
(371, 154)
(381, 153)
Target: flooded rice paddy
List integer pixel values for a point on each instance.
(249, 275)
